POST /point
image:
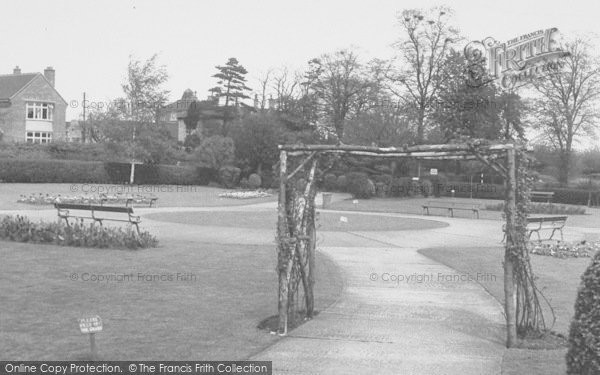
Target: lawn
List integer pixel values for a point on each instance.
(210, 311)
(168, 195)
(557, 278)
(326, 221)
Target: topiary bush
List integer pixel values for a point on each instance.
(360, 186)
(254, 181)
(583, 356)
(229, 176)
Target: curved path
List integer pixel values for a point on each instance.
(421, 324)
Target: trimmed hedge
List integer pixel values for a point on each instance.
(53, 171)
(572, 196)
(583, 356)
(72, 171)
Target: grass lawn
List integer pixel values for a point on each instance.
(326, 221)
(211, 312)
(168, 195)
(557, 278)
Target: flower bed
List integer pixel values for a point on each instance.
(21, 229)
(48, 199)
(245, 194)
(561, 249)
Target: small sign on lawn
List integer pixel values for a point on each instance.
(90, 325)
(355, 201)
(433, 171)
(343, 219)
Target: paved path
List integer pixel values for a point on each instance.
(422, 324)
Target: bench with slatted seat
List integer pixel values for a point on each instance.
(546, 223)
(554, 223)
(451, 206)
(542, 196)
(65, 212)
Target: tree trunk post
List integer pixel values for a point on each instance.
(282, 234)
(509, 282)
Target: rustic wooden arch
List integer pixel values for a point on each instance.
(296, 231)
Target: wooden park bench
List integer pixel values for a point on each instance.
(537, 224)
(451, 206)
(544, 196)
(130, 201)
(65, 212)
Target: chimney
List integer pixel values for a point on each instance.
(50, 75)
(17, 70)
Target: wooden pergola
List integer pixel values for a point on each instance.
(296, 231)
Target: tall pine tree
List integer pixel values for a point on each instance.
(230, 90)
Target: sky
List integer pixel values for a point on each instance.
(89, 43)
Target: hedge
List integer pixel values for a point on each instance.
(72, 171)
(53, 171)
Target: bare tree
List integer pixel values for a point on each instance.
(428, 38)
(565, 110)
(341, 83)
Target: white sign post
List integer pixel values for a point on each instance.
(91, 325)
(433, 171)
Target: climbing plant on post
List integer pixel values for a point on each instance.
(296, 240)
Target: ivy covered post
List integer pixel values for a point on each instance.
(510, 295)
(296, 240)
(282, 245)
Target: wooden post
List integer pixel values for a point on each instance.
(510, 296)
(282, 233)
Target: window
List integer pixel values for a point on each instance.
(39, 137)
(39, 111)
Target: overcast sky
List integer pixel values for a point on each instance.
(89, 43)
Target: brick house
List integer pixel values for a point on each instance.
(31, 110)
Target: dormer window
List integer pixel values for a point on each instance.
(39, 111)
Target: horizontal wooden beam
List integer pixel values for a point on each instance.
(405, 151)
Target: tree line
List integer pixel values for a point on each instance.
(420, 96)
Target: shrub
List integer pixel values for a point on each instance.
(215, 152)
(229, 176)
(266, 177)
(360, 186)
(244, 183)
(330, 182)
(463, 190)
(21, 229)
(583, 356)
(544, 208)
(205, 175)
(342, 183)
(426, 188)
(15, 170)
(254, 181)
(402, 187)
(571, 196)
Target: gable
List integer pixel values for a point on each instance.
(40, 89)
(13, 83)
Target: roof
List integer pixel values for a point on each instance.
(11, 84)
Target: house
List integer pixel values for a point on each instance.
(173, 114)
(31, 110)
